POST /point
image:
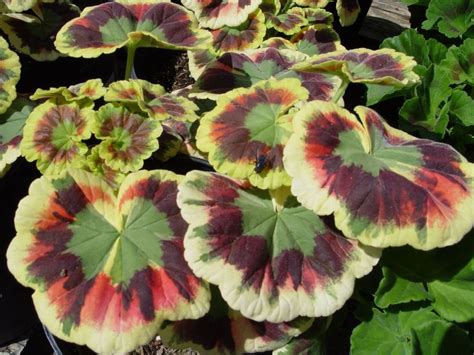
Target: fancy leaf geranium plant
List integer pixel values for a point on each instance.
(255, 206)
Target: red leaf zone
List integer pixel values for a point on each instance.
(14, 142)
(173, 21)
(381, 64)
(96, 301)
(388, 197)
(233, 138)
(138, 128)
(224, 334)
(43, 136)
(226, 41)
(251, 253)
(218, 8)
(166, 104)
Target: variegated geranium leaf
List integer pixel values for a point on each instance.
(224, 331)
(237, 39)
(247, 130)
(127, 138)
(106, 268)
(198, 60)
(316, 16)
(347, 10)
(317, 40)
(152, 100)
(170, 106)
(385, 187)
(170, 143)
(106, 27)
(34, 35)
(53, 136)
(272, 259)
(11, 131)
(220, 13)
(9, 75)
(19, 5)
(383, 66)
(313, 3)
(234, 70)
(289, 22)
(132, 91)
(86, 92)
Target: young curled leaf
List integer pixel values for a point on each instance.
(132, 91)
(220, 13)
(127, 138)
(347, 10)
(34, 35)
(9, 75)
(385, 187)
(272, 259)
(11, 131)
(289, 22)
(247, 130)
(53, 136)
(107, 269)
(225, 331)
(234, 70)
(317, 16)
(88, 91)
(99, 167)
(152, 99)
(382, 66)
(106, 27)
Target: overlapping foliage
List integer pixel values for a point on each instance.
(262, 253)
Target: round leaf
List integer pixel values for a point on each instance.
(52, 136)
(105, 28)
(11, 131)
(9, 75)
(234, 70)
(247, 130)
(217, 14)
(127, 138)
(385, 187)
(88, 91)
(33, 35)
(237, 39)
(272, 260)
(225, 331)
(106, 269)
(289, 22)
(382, 66)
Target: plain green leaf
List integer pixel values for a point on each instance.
(453, 18)
(395, 289)
(411, 43)
(447, 272)
(13, 120)
(459, 62)
(462, 107)
(424, 109)
(407, 332)
(454, 297)
(416, 2)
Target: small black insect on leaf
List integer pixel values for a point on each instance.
(260, 163)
